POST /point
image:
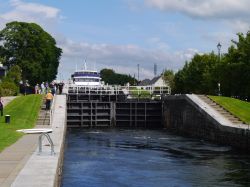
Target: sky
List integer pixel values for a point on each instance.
(120, 34)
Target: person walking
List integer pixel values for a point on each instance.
(60, 87)
(48, 98)
(37, 89)
(46, 87)
(42, 88)
(1, 106)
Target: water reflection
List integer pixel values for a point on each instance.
(149, 158)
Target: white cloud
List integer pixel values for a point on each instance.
(121, 58)
(204, 9)
(223, 37)
(158, 43)
(231, 16)
(48, 12)
(44, 15)
(238, 25)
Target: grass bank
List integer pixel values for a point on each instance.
(141, 93)
(24, 112)
(239, 108)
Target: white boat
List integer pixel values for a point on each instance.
(86, 78)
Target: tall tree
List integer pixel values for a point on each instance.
(32, 49)
(198, 76)
(236, 69)
(168, 77)
(109, 76)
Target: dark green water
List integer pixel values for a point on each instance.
(144, 158)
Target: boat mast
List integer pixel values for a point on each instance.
(85, 65)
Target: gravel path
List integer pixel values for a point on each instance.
(6, 100)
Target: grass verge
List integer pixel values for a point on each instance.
(239, 108)
(140, 93)
(24, 111)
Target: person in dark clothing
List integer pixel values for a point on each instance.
(60, 87)
(1, 106)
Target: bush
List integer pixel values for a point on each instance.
(8, 89)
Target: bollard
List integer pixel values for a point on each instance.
(7, 118)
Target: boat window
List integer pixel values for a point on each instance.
(86, 80)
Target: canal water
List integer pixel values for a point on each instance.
(141, 158)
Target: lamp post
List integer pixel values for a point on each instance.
(219, 48)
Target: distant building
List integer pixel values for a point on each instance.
(156, 86)
(145, 82)
(155, 82)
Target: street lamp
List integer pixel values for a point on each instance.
(219, 48)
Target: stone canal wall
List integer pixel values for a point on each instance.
(188, 115)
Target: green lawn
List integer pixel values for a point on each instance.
(24, 112)
(239, 108)
(142, 93)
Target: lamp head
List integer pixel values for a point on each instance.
(219, 46)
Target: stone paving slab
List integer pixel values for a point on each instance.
(7, 168)
(13, 158)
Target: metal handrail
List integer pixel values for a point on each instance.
(50, 141)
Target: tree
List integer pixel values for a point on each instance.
(107, 75)
(110, 77)
(32, 49)
(168, 77)
(198, 76)
(203, 73)
(10, 83)
(13, 75)
(235, 71)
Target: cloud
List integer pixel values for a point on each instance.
(31, 12)
(158, 43)
(204, 9)
(229, 16)
(238, 25)
(48, 12)
(121, 58)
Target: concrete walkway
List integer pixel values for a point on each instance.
(6, 100)
(13, 158)
(43, 169)
(20, 164)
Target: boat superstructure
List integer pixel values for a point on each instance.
(86, 77)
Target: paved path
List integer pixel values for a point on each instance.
(13, 158)
(42, 169)
(6, 100)
(20, 164)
